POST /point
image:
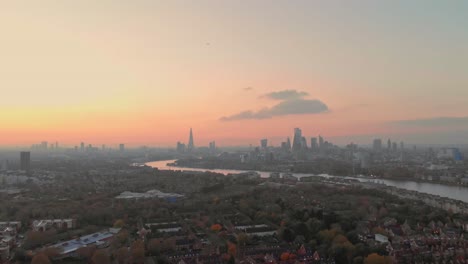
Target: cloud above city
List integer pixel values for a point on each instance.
(292, 103)
(285, 95)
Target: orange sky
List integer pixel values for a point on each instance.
(107, 72)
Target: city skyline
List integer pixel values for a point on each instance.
(141, 72)
(299, 142)
(277, 141)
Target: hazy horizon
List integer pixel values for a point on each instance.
(144, 72)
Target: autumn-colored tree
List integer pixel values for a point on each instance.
(340, 239)
(34, 239)
(169, 244)
(216, 227)
(375, 258)
(232, 249)
(328, 235)
(86, 252)
(40, 258)
(154, 246)
(119, 223)
(285, 256)
(138, 252)
(122, 236)
(121, 255)
(343, 249)
(52, 252)
(100, 257)
(138, 244)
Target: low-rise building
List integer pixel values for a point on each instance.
(43, 225)
(15, 224)
(257, 230)
(99, 239)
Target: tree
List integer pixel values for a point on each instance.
(34, 239)
(242, 238)
(154, 246)
(327, 235)
(119, 223)
(122, 236)
(20, 254)
(232, 249)
(375, 258)
(288, 235)
(86, 252)
(216, 227)
(40, 258)
(100, 257)
(284, 256)
(121, 255)
(302, 229)
(358, 260)
(169, 244)
(52, 252)
(138, 251)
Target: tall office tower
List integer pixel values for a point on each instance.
(82, 146)
(288, 144)
(264, 143)
(103, 147)
(377, 144)
(297, 145)
(180, 147)
(320, 142)
(190, 145)
(389, 144)
(212, 146)
(44, 145)
(395, 146)
(122, 147)
(314, 144)
(402, 145)
(303, 143)
(25, 160)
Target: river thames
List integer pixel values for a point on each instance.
(453, 192)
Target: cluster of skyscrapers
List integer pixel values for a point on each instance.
(377, 145)
(190, 147)
(300, 143)
(88, 148)
(44, 145)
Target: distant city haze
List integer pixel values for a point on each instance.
(145, 72)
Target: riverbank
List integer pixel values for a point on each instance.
(418, 180)
(452, 192)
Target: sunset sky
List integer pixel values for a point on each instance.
(144, 72)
